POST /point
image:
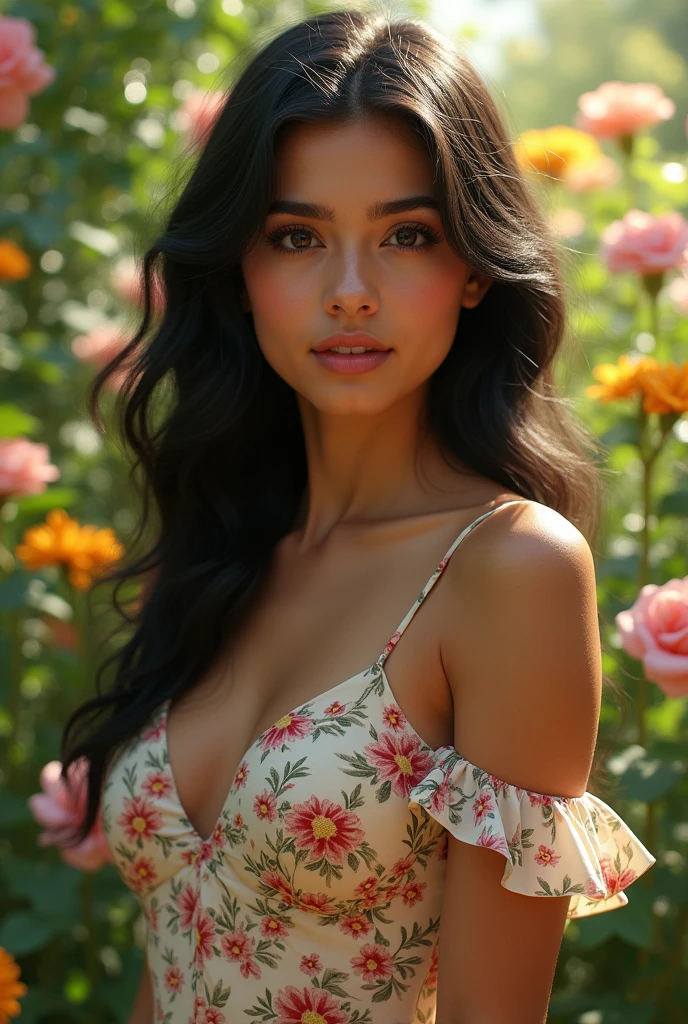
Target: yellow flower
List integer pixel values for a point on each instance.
(620, 379)
(553, 150)
(11, 988)
(83, 550)
(665, 388)
(14, 263)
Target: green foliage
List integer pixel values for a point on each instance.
(82, 181)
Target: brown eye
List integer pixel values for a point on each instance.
(300, 239)
(406, 236)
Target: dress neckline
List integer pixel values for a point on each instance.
(377, 666)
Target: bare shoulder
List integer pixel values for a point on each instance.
(521, 649)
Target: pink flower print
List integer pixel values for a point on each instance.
(205, 853)
(238, 947)
(273, 880)
(493, 841)
(615, 881)
(431, 976)
(357, 926)
(324, 828)
(139, 819)
(412, 893)
(310, 965)
(157, 784)
(369, 891)
(443, 846)
(403, 865)
(303, 1006)
(174, 977)
(190, 856)
(401, 760)
(241, 775)
(218, 837)
(318, 902)
(272, 928)
(265, 805)
(187, 903)
(153, 918)
(482, 806)
(210, 1015)
(155, 733)
(499, 785)
(374, 963)
(545, 856)
(393, 717)
(392, 642)
(335, 708)
(205, 933)
(238, 821)
(440, 796)
(593, 890)
(286, 730)
(538, 799)
(142, 874)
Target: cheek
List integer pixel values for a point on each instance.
(428, 304)
(280, 301)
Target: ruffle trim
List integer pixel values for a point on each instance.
(553, 845)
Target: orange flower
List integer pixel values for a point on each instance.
(84, 551)
(14, 263)
(553, 150)
(665, 388)
(11, 988)
(620, 379)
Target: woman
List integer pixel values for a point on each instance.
(362, 309)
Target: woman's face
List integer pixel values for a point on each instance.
(336, 256)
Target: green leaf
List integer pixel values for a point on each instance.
(14, 591)
(596, 929)
(643, 777)
(384, 791)
(52, 497)
(14, 809)
(24, 932)
(634, 922)
(14, 422)
(51, 889)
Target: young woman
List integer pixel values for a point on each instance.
(362, 309)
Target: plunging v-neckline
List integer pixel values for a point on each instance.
(378, 664)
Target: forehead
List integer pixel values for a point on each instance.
(352, 163)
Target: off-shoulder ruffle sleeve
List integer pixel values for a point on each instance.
(553, 845)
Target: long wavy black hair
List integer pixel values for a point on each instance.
(199, 394)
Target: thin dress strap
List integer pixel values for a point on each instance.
(396, 636)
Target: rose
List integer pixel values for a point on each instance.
(22, 70)
(128, 283)
(58, 808)
(199, 113)
(655, 630)
(645, 243)
(615, 108)
(100, 346)
(24, 467)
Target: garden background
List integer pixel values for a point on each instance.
(88, 141)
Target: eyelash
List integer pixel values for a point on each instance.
(276, 236)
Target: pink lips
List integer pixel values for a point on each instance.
(361, 362)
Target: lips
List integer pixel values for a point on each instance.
(348, 340)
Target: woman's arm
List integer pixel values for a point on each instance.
(524, 665)
(142, 1010)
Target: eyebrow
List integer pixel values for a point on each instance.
(374, 212)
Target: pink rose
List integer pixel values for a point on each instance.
(585, 177)
(622, 108)
(57, 808)
(128, 283)
(645, 243)
(100, 346)
(22, 70)
(655, 630)
(24, 467)
(199, 112)
(678, 292)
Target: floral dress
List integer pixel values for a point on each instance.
(316, 899)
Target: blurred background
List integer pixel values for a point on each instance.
(103, 103)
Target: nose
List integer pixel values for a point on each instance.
(351, 290)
